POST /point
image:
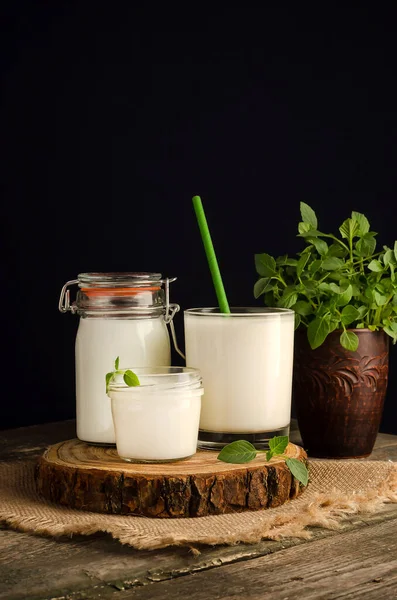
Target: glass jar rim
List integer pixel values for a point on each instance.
(241, 311)
(158, 378)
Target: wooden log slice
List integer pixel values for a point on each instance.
(94, 478)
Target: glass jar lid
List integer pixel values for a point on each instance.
(119, 294)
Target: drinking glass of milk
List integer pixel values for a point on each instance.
(121, 314)
(158, 419)
(245, 358)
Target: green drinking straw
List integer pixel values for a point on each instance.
(211, 257)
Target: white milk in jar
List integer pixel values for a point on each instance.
(158, 420)
(122, 315)
(246, 361)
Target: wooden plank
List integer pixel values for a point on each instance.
(73, 567)
(324, 569)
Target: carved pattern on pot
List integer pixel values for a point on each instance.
(346, 372)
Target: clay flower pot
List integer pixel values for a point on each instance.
(339, 394)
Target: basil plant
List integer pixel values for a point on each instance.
(338, 282)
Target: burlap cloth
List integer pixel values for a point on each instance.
(336, 490)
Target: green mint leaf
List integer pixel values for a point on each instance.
(345, 296)
(349, 229)
(393, 334)
(380, 299)
(320, 245)
(288, 298)
(314, 266)
(366, 245)
(302, 263)
(108, 378)
(317, 331)
(278, 444)
(376, 266)
(265, 265)
(298, 320)
(331, 263)
(238, 452)
(349, 314)
(116, 363)
(262, 286)
(298, 470)
(131, 379)
(363, 223)
(308, 215)
(389, 258)
(303, 308)
(303, 228)
(349, 340)
(395, 249)
(269, 455)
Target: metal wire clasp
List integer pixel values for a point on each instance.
(64, 299)
(170, 312)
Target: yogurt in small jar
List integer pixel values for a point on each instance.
(158, 420)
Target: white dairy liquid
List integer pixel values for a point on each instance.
(157, 426)
(246, 364)
(138, 343)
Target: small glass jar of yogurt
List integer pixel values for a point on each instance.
(158, 420)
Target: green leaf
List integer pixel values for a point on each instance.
(334, 324)
(303, 308)
(395, 249)
(380, 299)
(317, 331)
(278, 444)
(302, 263)
(366, 245)
(336, 250)
(349, 229)
(262, 286)
(362, 221)
(376, 266)
(265, 265)
(297, 321)
(387, 329)
(362, 311)
(320, 245)
(131, 379)
(335, 288)
(349, 314)
(108, 379)
(298, 470)
(238, 452)
(389, 258)
(349, 340)
(308, 215)
(116, 363)
(288, 298)
(303, 228)
(331, 263)
(345, 297)
(314, 266)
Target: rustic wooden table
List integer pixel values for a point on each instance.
(359, 561)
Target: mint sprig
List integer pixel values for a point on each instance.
(129, 377)
(338, 282)
(241, 451)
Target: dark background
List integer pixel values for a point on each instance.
(113, 117)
